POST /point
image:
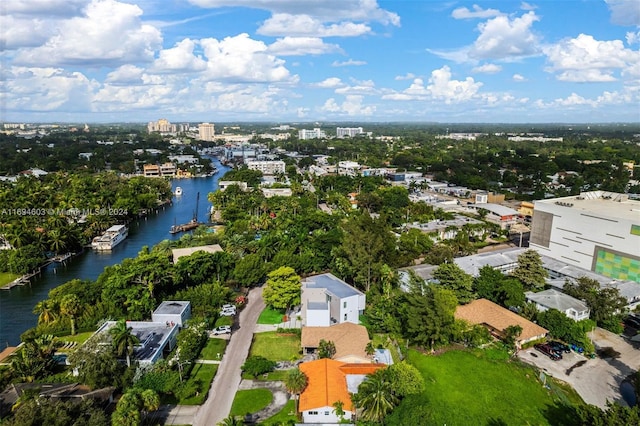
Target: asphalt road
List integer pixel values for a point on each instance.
(224, 386)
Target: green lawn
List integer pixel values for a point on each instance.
(278, 375)
(464, 388)
(270, 316)
(79, 338)
(275, 346)
(6, 278)
(212, 349)
(284, 416)
(204, 373)
(223, 321)
(250, 401)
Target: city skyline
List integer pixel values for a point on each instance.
(313, 60)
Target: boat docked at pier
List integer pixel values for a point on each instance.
(111, 238)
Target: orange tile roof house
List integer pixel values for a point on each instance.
(330, 381)
(350, 340)
(497, 319)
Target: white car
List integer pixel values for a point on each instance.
(228, 307)
(223, 329)
(228, 312)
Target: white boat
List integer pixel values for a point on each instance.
(178, 191)
(111, 238)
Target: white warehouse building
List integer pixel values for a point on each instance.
(598, 231)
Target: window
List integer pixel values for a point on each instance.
(313, 413)
(344, 305)
(345, 317)
(326, 413)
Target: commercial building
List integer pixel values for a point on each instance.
(316, 133)
(350, 132)
(267, 167)
(206, 132)
(598, 231)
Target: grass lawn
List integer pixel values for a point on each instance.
(7, 277)
(223, 321)
(79, 338)
(278, 375)
(212, 349)
(283, 416)
(205, 373)
(250, 401)
(275, 346)
(464, 388)
(270, 316)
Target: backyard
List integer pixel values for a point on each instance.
(482, 387)
(7, 277)
(276, 346)
(270, 316)
(284, 416)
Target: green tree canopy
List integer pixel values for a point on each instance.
(452, 277)
(282, 289)
(529, 270)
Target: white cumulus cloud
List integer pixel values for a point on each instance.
(451, 91)
(296, 46)
(329, 83)
(487, 69)
(305, 25)
(585, 59)
(179, 58)
(502, 38)
(352, 106)
(518, 77)
(108, 33)
(476, 12)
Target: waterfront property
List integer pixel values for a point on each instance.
(188, 251)
(157, 339)
(111, 238)
(328, 300)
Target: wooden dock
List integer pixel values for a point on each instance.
(25, 279)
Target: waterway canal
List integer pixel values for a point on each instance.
(16, 305)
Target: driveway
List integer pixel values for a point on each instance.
(225, 384)
(596, 380)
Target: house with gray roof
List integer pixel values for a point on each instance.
(327, 300)
(573, 308)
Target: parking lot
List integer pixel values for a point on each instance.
(596, 380)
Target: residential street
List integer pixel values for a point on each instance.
(224, 386)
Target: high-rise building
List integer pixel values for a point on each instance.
(316, 133)
(598, 231)
(342, 132)
(162, 126)
(206, 132)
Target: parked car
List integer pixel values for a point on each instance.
(559, 347)
(577, 348)
(228, 307)
(548, 351)
(228, 312)
(632, 321)
(223, 329)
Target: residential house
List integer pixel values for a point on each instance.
(330, 381)
(575, 309)
(350, 340)
(327, 300)
(497, 319)
(172, 312)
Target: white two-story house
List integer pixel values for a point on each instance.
(327, 300)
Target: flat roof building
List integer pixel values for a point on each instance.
(157, 339)
(598, 231)
(172, 312)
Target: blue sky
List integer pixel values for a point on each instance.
(320, 60)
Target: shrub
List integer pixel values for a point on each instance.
(256, 365)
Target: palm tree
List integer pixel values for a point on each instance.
(71, 306)
(47, 312)
(338, 408)
(123, 340)
(232, 421)
(296, 382)
(376, 397)
(150, 401)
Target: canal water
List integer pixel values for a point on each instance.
(16, 305)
